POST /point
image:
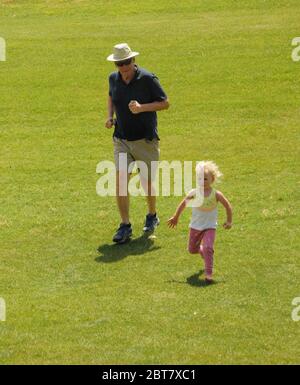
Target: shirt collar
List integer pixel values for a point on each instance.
(137, 75)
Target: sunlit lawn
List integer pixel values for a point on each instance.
(234, 94)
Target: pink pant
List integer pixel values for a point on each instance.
(203, 242)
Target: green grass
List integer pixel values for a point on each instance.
(234, 94)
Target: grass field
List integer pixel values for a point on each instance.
(234, 93)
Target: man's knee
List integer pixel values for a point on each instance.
(122, 180)
(148, 186)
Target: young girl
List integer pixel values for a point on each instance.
(204, 216)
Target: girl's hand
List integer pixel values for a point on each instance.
(172, 222)
(135, 107)
(227, 225)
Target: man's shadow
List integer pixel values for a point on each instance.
(114, 252)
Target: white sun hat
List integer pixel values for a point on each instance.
(121, 52)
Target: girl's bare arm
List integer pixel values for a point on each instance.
(172, 222)
(225, 202)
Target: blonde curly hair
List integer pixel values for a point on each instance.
(211, 167)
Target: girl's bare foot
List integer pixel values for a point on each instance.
(208, 279)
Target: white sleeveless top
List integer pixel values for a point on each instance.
(205, 216)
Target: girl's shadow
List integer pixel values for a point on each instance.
(114, 252)
(194, 280)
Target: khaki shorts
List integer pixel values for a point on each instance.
(142, 150)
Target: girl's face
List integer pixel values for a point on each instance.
(208, 179)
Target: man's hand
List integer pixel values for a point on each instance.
(227, 225)
(135, 107)
(172, 222)
(109, 123)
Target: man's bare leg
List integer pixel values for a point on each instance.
(152, 220)
(122, 200)
(124, 232)
(151, 198)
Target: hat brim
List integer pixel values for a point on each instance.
(112, 57)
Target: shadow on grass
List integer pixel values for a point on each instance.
(115, 252)
(194, 280)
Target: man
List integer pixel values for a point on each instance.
(134, 97)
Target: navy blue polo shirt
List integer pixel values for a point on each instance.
(144, 88)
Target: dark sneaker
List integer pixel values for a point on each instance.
(123, 233)
(151, 222)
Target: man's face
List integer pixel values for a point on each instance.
(125, 66)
